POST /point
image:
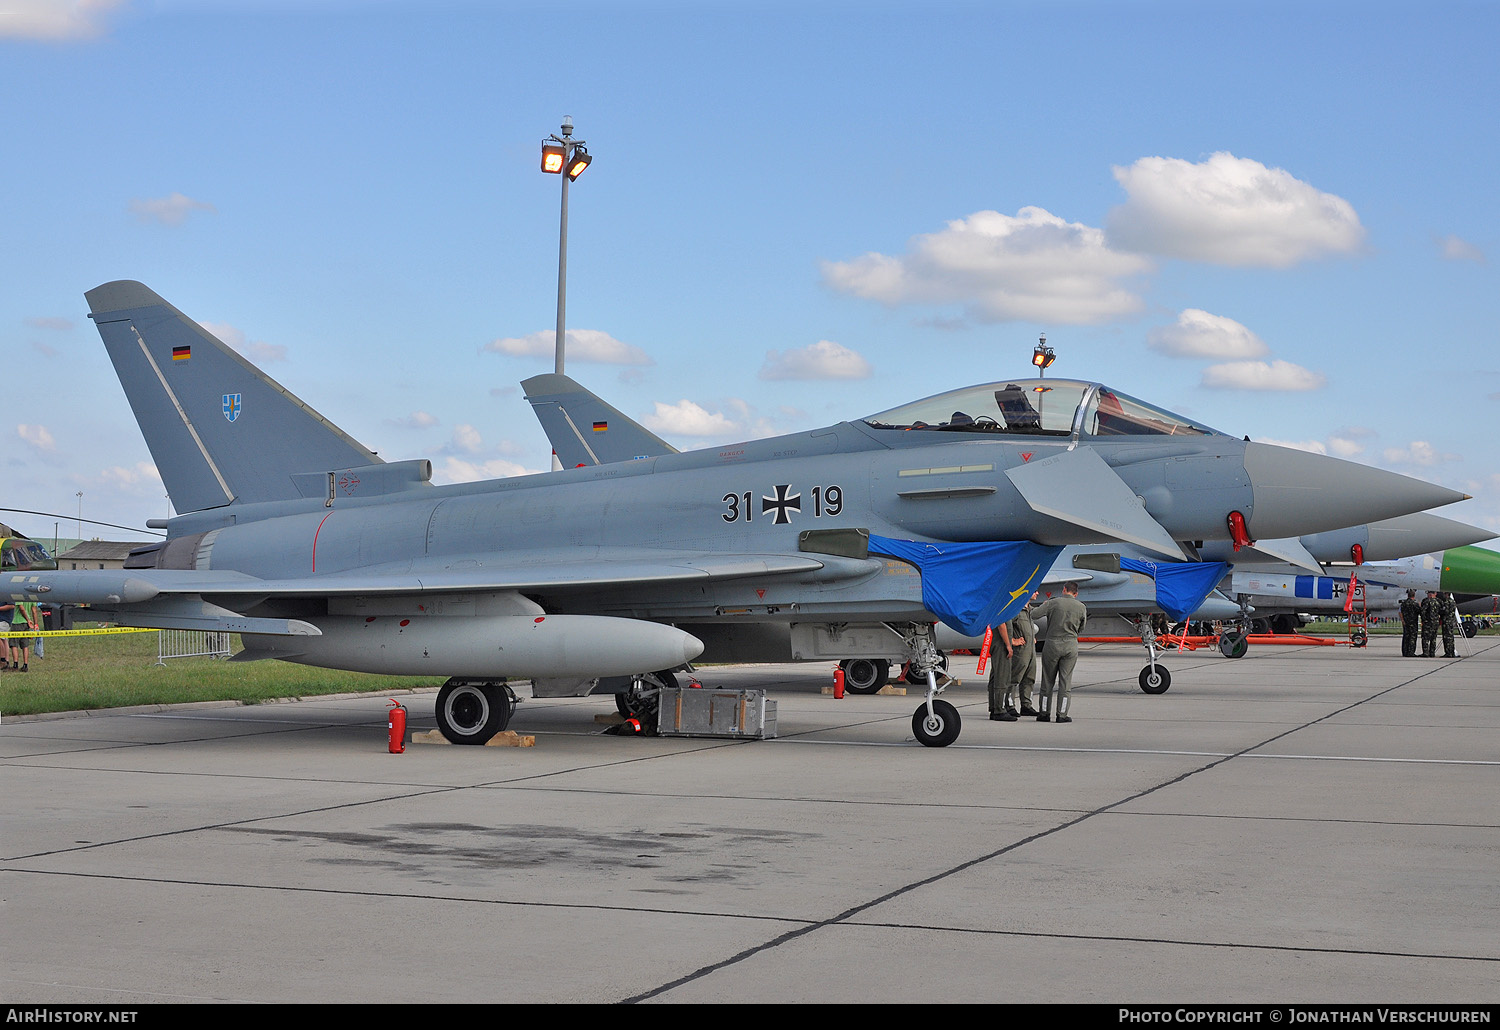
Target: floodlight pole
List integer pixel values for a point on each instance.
(569, 145)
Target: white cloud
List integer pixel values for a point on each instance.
(169, 210)
(37, 436)
(1454, 248)
(1198, 334)
(467, 439)
(1420, 452)
(1261, 375)
(416, 420)
(1312, 446)
(458, 470)
(1033, 267)
(54, 20)
(1346, 443)
(1229, 211)
(139, 479)
(587, 345)
(822, 360)
(258, 351)
(688, 419)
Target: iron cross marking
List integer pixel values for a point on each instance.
(780, 503)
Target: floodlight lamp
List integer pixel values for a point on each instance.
(581, 160)
(1043, 356)
(554, 156)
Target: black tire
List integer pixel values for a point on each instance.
(471, 712)
(941, 729)
(1233, 645)
(865, 675)
(1470, 628)
(1155, 680)
(1359, 638)
(1285, 624)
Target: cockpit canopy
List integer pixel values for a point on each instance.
(1039, 407)
(18, 554)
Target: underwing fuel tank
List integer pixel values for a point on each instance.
(489, 647)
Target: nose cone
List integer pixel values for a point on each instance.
(1296, 493)
(1422, 533)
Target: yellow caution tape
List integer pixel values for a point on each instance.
(73, 632)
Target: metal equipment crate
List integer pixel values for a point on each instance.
(707, 712)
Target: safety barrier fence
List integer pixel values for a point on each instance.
(190, 643)
(170, 643)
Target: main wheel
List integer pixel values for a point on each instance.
(470, 712)
(865, 675)
(1470, 628)
(938, 729)
(1358, 638)
(1155, 679)
(910, 676)
(1233, 644)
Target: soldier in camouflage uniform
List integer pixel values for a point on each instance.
(1411, 623)
(1432, 620)
(1450, 623)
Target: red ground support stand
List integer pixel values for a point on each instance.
(1359, 615)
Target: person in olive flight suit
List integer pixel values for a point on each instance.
(1065, 616)
(999, 670)
(1022, 663)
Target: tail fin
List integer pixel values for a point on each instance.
(220, 430)
(583, 429)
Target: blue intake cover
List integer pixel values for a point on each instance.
(971, 587)
(1180, 586)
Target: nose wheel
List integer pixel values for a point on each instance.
(938, 727)
(1155, 679)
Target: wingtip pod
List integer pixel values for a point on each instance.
(1297, 493)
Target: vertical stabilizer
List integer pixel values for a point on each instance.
(583, 429)
(219, 429)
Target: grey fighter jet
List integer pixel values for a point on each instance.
(857, 535)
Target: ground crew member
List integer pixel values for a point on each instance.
(1411, 622)
(1449, 623)
(999, 671)
(1432, 619)
(1022, 663)
(1065, 616)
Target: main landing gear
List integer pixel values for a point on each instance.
(473, 711)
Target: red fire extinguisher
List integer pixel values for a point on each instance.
(838, 683)
(396, 727)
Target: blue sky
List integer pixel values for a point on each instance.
(1277, 218)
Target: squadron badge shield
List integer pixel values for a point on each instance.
(231, 406)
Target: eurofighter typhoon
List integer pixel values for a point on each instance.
(942, 510)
